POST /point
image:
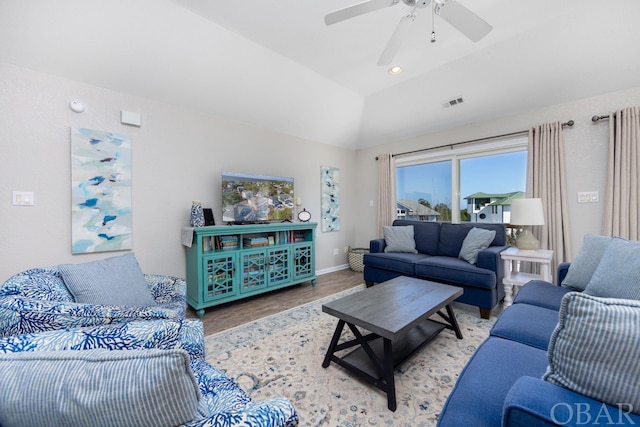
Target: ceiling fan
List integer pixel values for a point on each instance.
(461, 18)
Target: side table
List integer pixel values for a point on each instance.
(513, 277)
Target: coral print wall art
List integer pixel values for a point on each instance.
(330, 181)
(101, 191)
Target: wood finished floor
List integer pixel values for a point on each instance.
(236, 313)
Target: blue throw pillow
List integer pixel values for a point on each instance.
(112, 281)
(618, 273)
(595, 349)
(476, 240)
(97, 388)
(399, 239)
(582, 268)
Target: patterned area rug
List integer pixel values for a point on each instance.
(281, 355)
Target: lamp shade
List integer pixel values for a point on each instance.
(527, 212)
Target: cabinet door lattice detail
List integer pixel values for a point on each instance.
(219, 274)
(253, 270)
(302, 261)
(279, 270)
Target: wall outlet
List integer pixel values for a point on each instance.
(346, 249)
(335, 251)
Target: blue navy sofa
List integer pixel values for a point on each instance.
(502, 384)
(438, 245)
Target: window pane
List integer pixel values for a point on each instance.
(424, 191)
(489, 183)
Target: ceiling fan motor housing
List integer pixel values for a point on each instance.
(417, 3)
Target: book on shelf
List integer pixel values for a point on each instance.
(255, 241)
(226, 242)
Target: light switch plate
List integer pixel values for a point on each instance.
(588, 196)
(22, 198)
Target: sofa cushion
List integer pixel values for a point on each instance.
(541, 294)
(111, 281)
(476, 240)
(399, 239)
(403, 263)
(97, 388)
(526, 324)
(426, 234)
(490, 373)
(595, 349)
(582, 268)
(452, 236)
(455, 270)
(618, 273)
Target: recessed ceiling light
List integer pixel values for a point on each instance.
(394, 71)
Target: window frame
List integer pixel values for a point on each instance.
(456, 153)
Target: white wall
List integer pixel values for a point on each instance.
(177, 157)
(585, 153)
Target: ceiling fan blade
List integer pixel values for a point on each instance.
(357, 10)
(464, 20)
(394, 43)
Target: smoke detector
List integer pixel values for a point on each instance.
(452, 102)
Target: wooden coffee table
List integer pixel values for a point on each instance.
(396, 313)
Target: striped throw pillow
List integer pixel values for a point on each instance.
(97, 388)
(595, 349)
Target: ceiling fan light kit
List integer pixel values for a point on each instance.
(458, 16)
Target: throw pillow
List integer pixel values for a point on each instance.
(97, 388)
(399, 239)
(476, 240)
(618, 274)
(594, 349)
(582, 268)
(112, 281)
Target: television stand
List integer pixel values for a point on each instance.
(225, 263)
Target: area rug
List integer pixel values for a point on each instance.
(281, 355)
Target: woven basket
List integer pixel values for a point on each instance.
(355, 258)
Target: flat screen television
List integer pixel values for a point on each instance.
(251, 198)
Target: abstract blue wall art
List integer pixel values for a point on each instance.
(330, 190)
(100, 191)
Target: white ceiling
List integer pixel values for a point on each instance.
(275, 65)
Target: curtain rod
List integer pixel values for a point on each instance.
(522, 132)
(596, 119)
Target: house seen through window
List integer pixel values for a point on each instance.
(475, 184)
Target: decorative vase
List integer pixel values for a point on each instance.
(197, 215)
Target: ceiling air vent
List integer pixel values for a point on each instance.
(452, 102)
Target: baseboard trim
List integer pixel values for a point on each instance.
(331, 269)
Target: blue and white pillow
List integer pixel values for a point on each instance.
(618, 273)
(97, 388)
(595, 349)
(582, 268)
(111, 281)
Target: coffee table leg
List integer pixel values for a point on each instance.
(333, 344)
(451, 320)
(388, 375)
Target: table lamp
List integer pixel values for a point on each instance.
(525, 213)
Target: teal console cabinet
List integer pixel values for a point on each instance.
(229, 262)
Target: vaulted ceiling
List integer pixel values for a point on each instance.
(275, 64)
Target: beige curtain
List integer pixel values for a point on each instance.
(386, 191)
(546, 180)
(622, 200)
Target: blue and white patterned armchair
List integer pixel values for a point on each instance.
(37, 300)
(222, 402)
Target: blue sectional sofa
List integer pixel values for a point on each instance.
(502, 384)
(438, 246)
